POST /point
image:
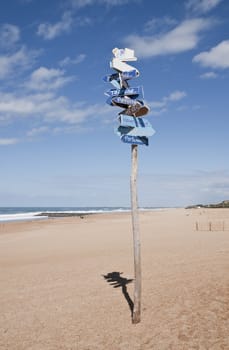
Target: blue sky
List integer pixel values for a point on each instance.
(57, 140)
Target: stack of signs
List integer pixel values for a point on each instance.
(132, 127)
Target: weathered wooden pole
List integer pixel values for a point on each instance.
(136, 318)
(135, 130)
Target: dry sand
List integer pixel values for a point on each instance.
(53, 294)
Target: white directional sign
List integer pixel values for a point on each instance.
(124, 54)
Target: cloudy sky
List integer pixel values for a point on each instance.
(57, 140)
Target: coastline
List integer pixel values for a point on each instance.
(38, 213)
(54, 294)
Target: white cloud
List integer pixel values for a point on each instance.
(50, 31)
(182, 108)
(20, 59)
(11, 105)
(83, 3)
(158, 112)
(8, 141)
(73, 114)
(196, 107)
(9, 35)
(161, 23)
(116, 2)
(157, 104)
(176, 96)
(67, 60)
(217, 57)
(37, 131)
(159, 107)
(209, 75)
(48, 107)
(182, 38)
(47, 79)
(202, 6)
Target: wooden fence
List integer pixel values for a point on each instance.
(212, 225)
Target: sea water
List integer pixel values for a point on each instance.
(9, 214)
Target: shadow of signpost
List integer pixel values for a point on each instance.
(115, 280)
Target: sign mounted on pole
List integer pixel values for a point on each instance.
(131, 99)
(134, 92)
(135, 130)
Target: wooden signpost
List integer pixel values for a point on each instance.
(136, 235)
(132, 129)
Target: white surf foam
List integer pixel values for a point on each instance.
(21, 217)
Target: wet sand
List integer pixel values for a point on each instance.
(54, 295)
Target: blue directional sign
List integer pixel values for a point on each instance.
(115, 92)
(141, 128)
(134, 91)
(119, 80)
(113, 79)
(135, 140)
(110, 77)
(124, 76)
(138, 131)
(115, 83)
(125, 101)
(130, 75)
(132, 128)
(127, 120)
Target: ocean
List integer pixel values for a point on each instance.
(9, 214)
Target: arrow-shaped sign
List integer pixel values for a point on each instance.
(139, 127)
(148, 131)
(129, 121)
(135, 140)
(125, 102)
(120, 66)
(124, 54)
(124, 75)
(131, 91)
(119, 80)
(130, 75)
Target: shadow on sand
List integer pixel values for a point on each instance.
(115, 280)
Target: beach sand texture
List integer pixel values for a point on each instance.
(54, 295)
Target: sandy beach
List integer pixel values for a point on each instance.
(54, 295)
